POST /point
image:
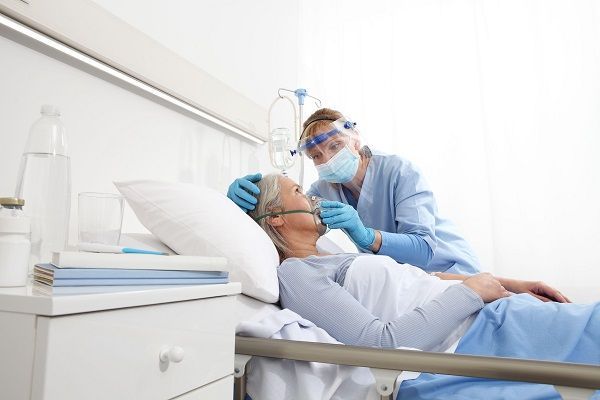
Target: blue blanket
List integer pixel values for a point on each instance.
(522, 327)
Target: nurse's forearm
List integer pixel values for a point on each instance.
(405, 248)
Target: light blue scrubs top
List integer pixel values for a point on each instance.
(396, 200)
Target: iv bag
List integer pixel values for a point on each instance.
(280, 148)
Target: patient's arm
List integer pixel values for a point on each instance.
(537, 289)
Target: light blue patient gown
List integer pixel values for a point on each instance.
(396, 200)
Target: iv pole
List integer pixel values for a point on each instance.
(300, 94)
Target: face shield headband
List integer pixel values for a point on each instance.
(314, 202)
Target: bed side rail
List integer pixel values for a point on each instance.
(547, 372)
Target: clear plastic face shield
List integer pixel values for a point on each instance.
(315, 210)
(323, 138)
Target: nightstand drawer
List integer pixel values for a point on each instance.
(115, 354)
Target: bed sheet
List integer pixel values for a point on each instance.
(250, 309)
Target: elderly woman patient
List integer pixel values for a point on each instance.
(370, 300)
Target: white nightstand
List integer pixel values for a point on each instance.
(108, 345)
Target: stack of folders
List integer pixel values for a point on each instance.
(84, 269)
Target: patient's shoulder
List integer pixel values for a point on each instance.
(289, 263)
(295, 266)
(294, 274)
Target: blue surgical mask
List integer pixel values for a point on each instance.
(341, 168)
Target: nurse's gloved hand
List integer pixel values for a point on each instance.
(338, 215)
(241, 190)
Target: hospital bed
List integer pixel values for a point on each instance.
(572, 381)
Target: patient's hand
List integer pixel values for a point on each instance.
(535, 288)
(486, 286)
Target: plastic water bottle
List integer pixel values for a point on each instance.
(44, 181)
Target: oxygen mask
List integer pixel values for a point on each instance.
(314, 203)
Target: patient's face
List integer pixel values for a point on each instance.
(293, 198)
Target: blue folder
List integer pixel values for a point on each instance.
(140, 281)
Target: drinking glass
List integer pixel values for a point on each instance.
(100, 217)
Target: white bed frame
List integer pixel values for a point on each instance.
(572, 381)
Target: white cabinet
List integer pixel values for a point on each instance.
(96, 346)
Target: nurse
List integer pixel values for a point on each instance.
(381, 201)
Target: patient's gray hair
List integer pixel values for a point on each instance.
(269, 200)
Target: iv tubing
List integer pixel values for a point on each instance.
(280, 97)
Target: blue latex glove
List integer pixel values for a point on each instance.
(241, 190)
(338, 215)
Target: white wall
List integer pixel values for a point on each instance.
(115, 134)
(541, 96)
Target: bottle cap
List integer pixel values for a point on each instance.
(11, 201)
(11, 224)
(49, 109)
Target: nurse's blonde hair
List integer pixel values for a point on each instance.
(269, 200)
(319, 119)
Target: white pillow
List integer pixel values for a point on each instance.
(195, 220)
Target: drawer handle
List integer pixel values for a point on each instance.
(174, 354)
